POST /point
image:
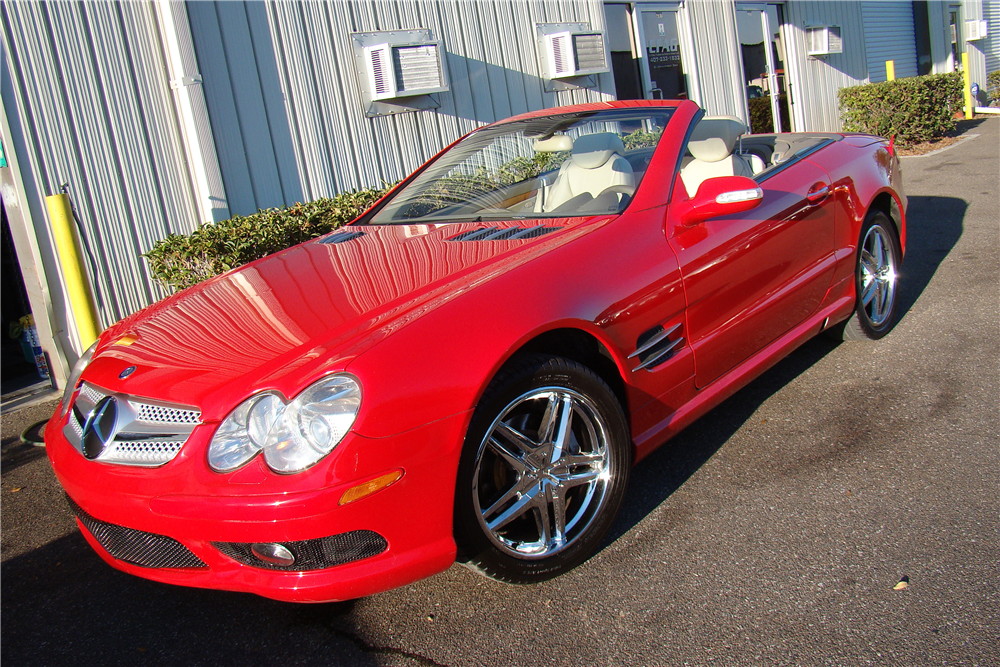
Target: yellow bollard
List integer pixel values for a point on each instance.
(967, 84)
(77, 286)
(890, 70)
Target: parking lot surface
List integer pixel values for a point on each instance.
(773, 531)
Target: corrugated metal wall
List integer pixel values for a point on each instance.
(889, 35)
(97, 110)
(251, 55)
(973, 10)
(815, 101)
(717, 57)
(991, 12)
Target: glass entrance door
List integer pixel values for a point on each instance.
(663, 72)
(763, 55)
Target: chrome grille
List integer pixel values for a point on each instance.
(313, 554)
(146, 433)
(158, 414)
(136, 546)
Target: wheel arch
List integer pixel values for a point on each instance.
(887, 202)
(581, 346)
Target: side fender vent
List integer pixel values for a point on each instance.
(503, 234)
(342, 237)
(656, 346)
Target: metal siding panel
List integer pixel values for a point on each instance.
(278, 122)
(166, 146)
(973, 10)
(258, 151)
(889, 35)
(383, 143)
(100, 117)
(96, 184)
(821, 78)
(717, 63)
(224, 117)
(991, 12)
(305, 112)
(458, 68)
(406, 127)
(424, 124)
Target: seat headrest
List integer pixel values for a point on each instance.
(593, 150)
(715, 137)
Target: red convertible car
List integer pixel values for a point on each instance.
(471, 368)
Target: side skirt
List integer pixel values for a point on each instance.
(737, 378)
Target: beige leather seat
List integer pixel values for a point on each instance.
(712, 144)
(595, 165)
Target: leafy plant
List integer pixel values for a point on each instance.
(915, 109)
(180, 261)
(761, 116)
(993, 88)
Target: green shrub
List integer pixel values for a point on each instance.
(993, 88)
(181, 261)
(761, 117)
(915, 109)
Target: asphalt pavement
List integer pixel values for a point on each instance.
(774, 531)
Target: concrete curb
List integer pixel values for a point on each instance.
(942, 150)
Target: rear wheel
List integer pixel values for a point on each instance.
(875, 278)
(543, 473)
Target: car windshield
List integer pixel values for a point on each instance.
(579, 164)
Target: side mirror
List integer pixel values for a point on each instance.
(723, 195)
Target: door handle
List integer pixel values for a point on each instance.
(818, 193)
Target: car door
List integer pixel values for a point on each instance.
(751, 277)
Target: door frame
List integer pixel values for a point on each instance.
(684, 37)
(772, 74)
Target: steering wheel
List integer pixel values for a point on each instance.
(626, 190)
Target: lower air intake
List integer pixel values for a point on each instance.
(313, 554)
(138, 547)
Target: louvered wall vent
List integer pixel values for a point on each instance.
(503, 233)
(570, 52)
(342, 236)
(398, 70)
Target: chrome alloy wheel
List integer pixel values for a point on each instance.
(877, 269)
(542, 472)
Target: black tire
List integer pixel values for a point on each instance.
(876, 272)
(531, 504)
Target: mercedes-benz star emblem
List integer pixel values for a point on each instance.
(101, 427)
(125, 373)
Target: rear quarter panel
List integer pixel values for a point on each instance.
(858, 175)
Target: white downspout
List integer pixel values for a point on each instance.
(192, 112)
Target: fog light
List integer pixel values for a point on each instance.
(275, 554)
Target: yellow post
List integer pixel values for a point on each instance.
(890, 70)
(967, 84)
(77, 287)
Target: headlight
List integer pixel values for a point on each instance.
(293, 436)
(74, 377)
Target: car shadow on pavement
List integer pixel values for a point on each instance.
(664, 471)
(62, 605)
(934, 226)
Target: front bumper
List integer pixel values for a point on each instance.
(184, 501)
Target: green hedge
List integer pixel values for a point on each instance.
(181, 261)
(762, 118)
(993, 88)
(915, 109)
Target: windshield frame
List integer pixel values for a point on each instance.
(534, 125)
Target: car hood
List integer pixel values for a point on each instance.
(306, 310)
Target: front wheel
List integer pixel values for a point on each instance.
(875, 278)
(543, 472)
